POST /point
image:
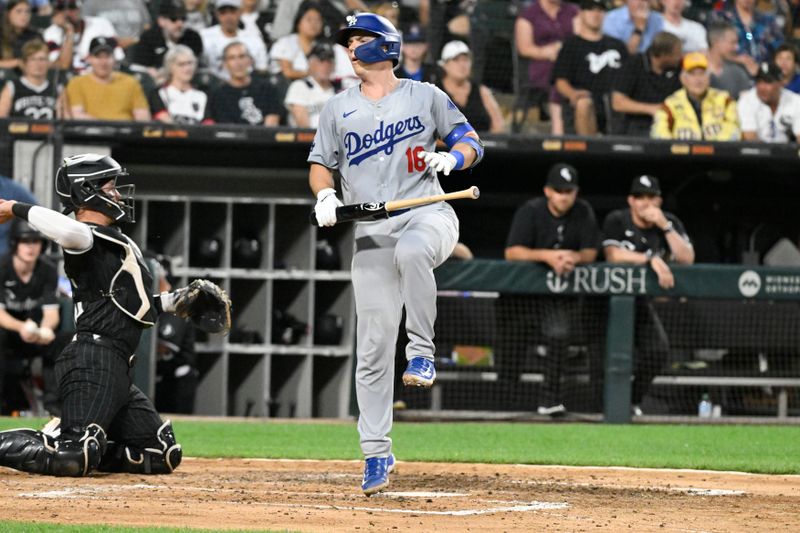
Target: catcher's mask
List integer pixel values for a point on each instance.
(79, 183)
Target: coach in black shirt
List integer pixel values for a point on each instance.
(639, 235)
(643, 233)
(644, 81)
(149, 52)
(561, 231)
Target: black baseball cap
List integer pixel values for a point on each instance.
(102, 44)
(172, 10)
(60, 5)
(645, 184)
(562, 177)
(322, 51)
(593, 4)
(769, 72)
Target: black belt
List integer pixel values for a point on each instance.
(106, 343)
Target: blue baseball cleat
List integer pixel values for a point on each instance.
(419, 372)
(376, 474)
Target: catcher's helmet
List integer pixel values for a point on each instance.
(386, 46)
(80, 179)
(20, 231)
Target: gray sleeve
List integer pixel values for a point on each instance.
(325, 149)
(445, 113)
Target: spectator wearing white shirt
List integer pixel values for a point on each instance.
(306, 98)
(288, 54)
(178, 102)
(130, 18)
(255, 18)
(229, 30)
(692, 34)
(69, 35)
(769, 112)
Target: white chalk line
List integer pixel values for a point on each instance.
(692, 491)
(95, 493)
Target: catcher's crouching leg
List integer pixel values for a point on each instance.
(33, 451)
(121, 458)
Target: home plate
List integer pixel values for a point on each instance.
(422, 494)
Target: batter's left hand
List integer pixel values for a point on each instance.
(5, 210)
(439, 161)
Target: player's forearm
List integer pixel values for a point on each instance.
(682, 251)
(620, 255)
(9, 322)
(523, 253)
(50, 317)
(587, 255)
(319, 178)
(467, 150)
(63, 230)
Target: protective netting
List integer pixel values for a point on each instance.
(498, 352)
(518, 353)
(742, 353)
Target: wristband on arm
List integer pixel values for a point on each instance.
(21, 210)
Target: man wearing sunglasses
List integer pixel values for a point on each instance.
(148, 54)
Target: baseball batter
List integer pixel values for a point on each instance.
(381, 136)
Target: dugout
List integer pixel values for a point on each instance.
(736, 200)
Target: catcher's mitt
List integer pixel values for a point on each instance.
(207, 305)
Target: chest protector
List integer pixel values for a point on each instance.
(130, 284)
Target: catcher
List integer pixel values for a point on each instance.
(107, 423)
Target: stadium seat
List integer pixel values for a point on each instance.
(525, 96)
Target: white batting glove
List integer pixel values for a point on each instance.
(325, 210)
(439, 161)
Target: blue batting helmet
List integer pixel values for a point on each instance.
(385, 47)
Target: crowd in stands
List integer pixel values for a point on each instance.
(675, 69)
(645, 69)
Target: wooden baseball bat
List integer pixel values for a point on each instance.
(375, 210)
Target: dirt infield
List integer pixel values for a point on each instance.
(324, 496)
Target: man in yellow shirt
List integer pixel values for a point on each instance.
(103, 93)
(697, 111)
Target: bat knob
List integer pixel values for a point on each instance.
(476, 192)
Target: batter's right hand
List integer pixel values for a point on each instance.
(325, 210)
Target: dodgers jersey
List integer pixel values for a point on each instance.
(375, 145)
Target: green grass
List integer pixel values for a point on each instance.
(763, 449)
(31, 527)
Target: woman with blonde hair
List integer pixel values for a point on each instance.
(178, 101)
